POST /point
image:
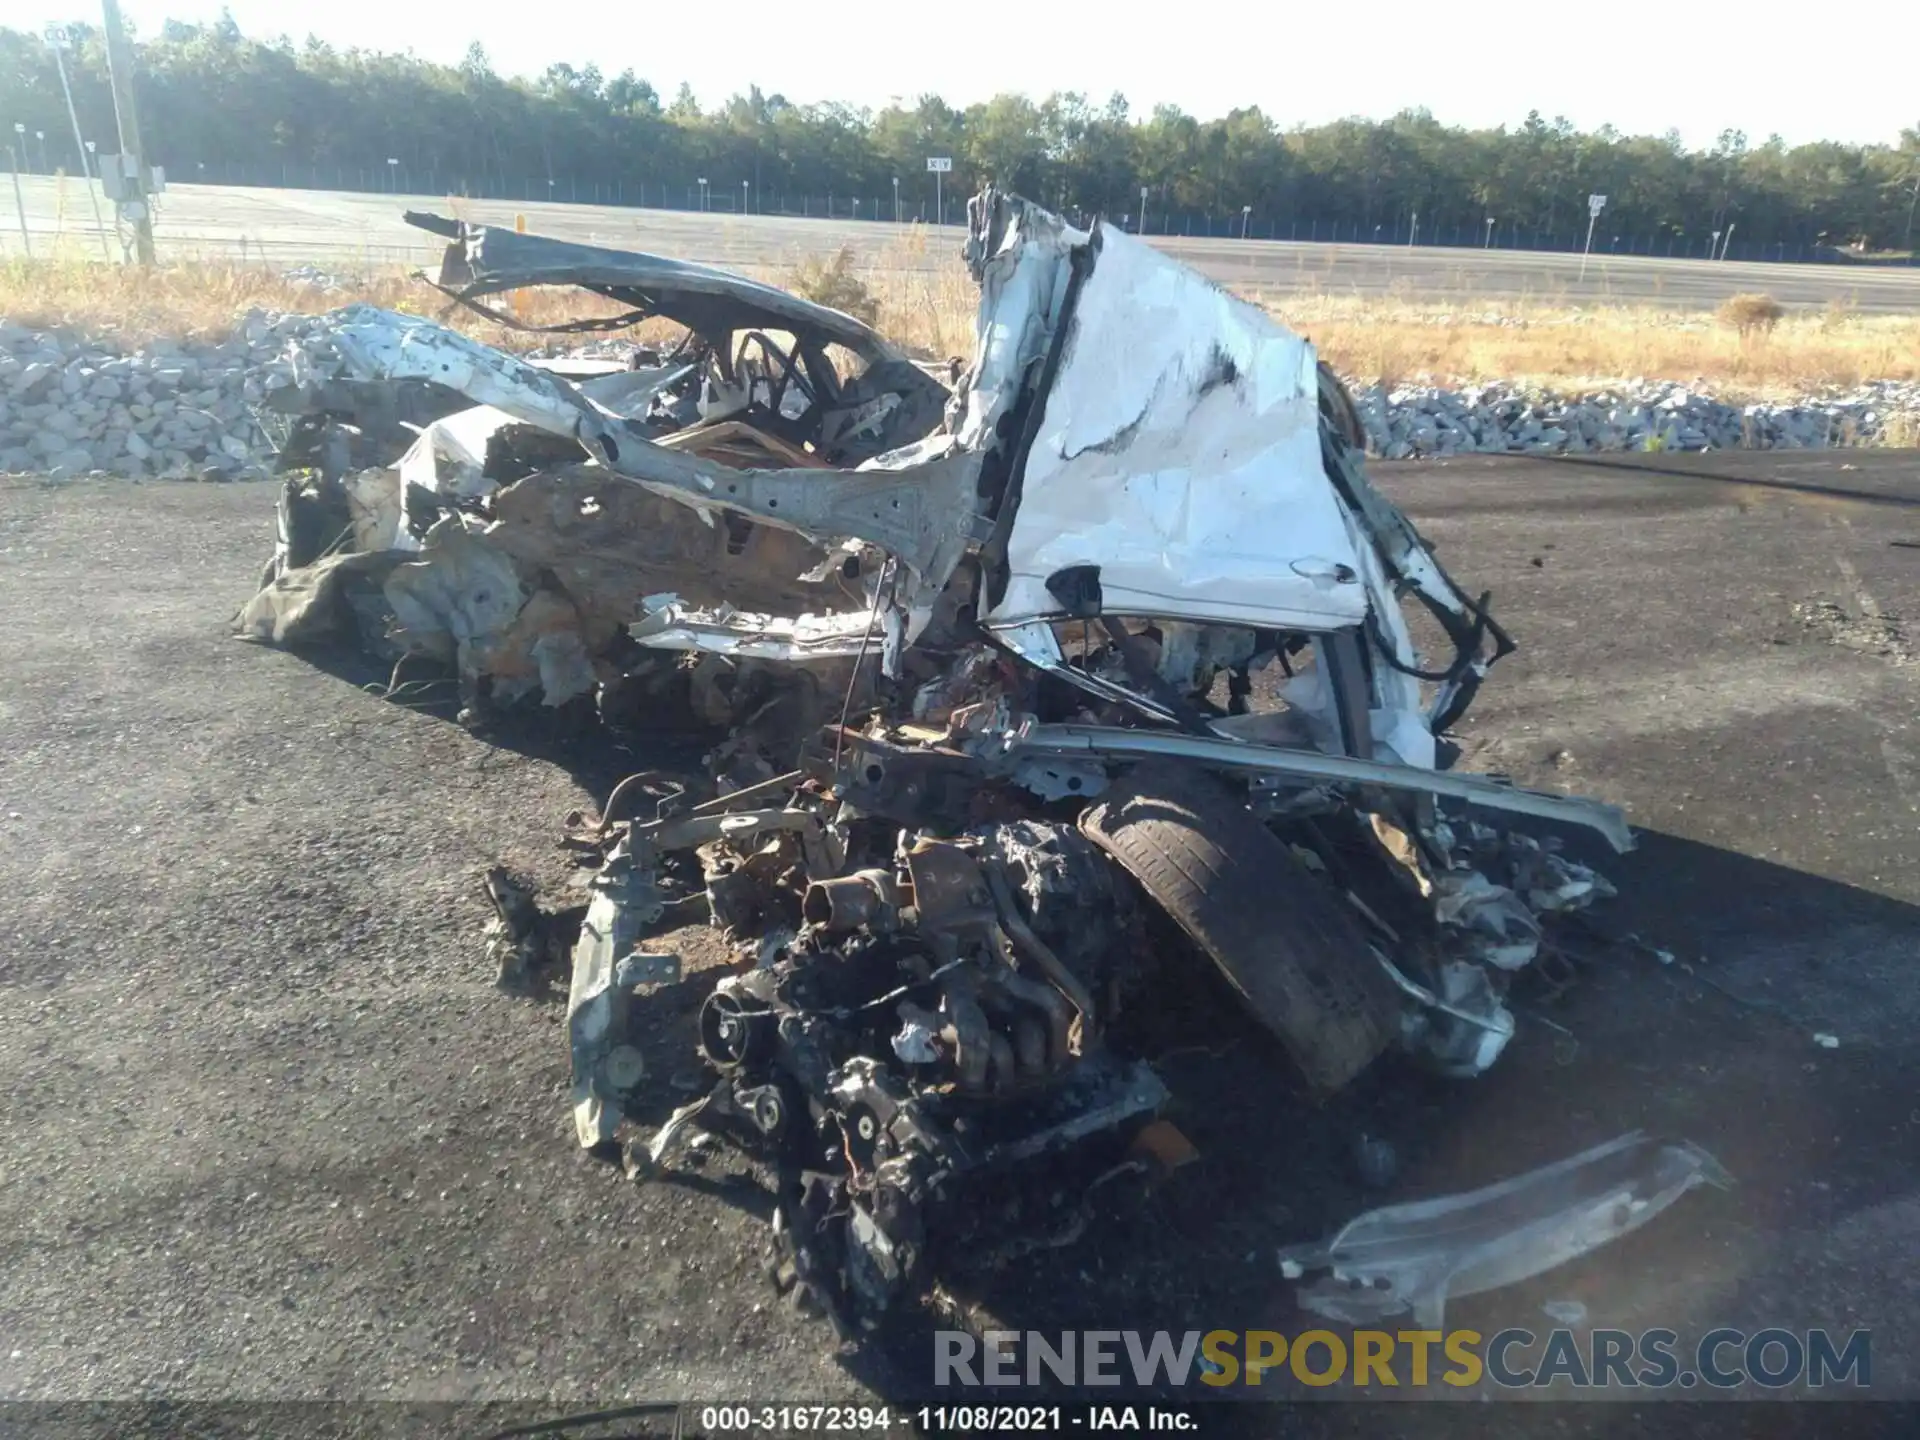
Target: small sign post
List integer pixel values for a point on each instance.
(1595, 204)
(937, 166)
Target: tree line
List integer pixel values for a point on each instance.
(214, 102)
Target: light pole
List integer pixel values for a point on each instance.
(19, 201)
(702, 183)
(41, 136)
(393, 175)
(896, 199)
(1489, 244)
(1143, 210)
(743, 200)
(58, 39)
(1246, 219)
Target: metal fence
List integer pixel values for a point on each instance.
(744, 198)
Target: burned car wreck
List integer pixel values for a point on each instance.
(1110, 635)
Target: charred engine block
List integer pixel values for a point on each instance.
(937, 1017)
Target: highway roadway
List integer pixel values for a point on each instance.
(338, 228)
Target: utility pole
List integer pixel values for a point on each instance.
(58, 38)
(134, 207)
(19, 200)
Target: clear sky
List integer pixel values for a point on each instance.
(1698, 66)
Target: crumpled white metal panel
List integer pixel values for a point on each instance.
(1180, 453)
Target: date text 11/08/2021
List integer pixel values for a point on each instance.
(939, 1419)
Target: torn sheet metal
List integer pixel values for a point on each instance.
(486, 259)
(1503, 931)
(1178, 461)
(1415, 1257)
(923, 516)
(1461, 1028)
(748, 636)
(449, 461)
(609, 545)
(1018, 255)
(1179, 453)
(384, 345)
(890, 402)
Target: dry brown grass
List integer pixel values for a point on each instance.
(921, 301)
(926, 303)
(1750, 315)
(830, 280)
(206, 299)
(1901, 430)
(1570, 348)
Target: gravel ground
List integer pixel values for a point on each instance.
(270, 1131)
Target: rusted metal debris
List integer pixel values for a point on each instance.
(1115, 628)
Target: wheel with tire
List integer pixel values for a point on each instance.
(1282, 935)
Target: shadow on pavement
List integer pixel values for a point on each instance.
(1632, 1043)
(1692, 1007)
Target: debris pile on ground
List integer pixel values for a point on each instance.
(1425, 420)
(1093, 674)
(179, 409)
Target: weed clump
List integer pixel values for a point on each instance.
(830, 281)
(1751, 314)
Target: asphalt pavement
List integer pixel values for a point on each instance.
(348, 228)
(270, 1132)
